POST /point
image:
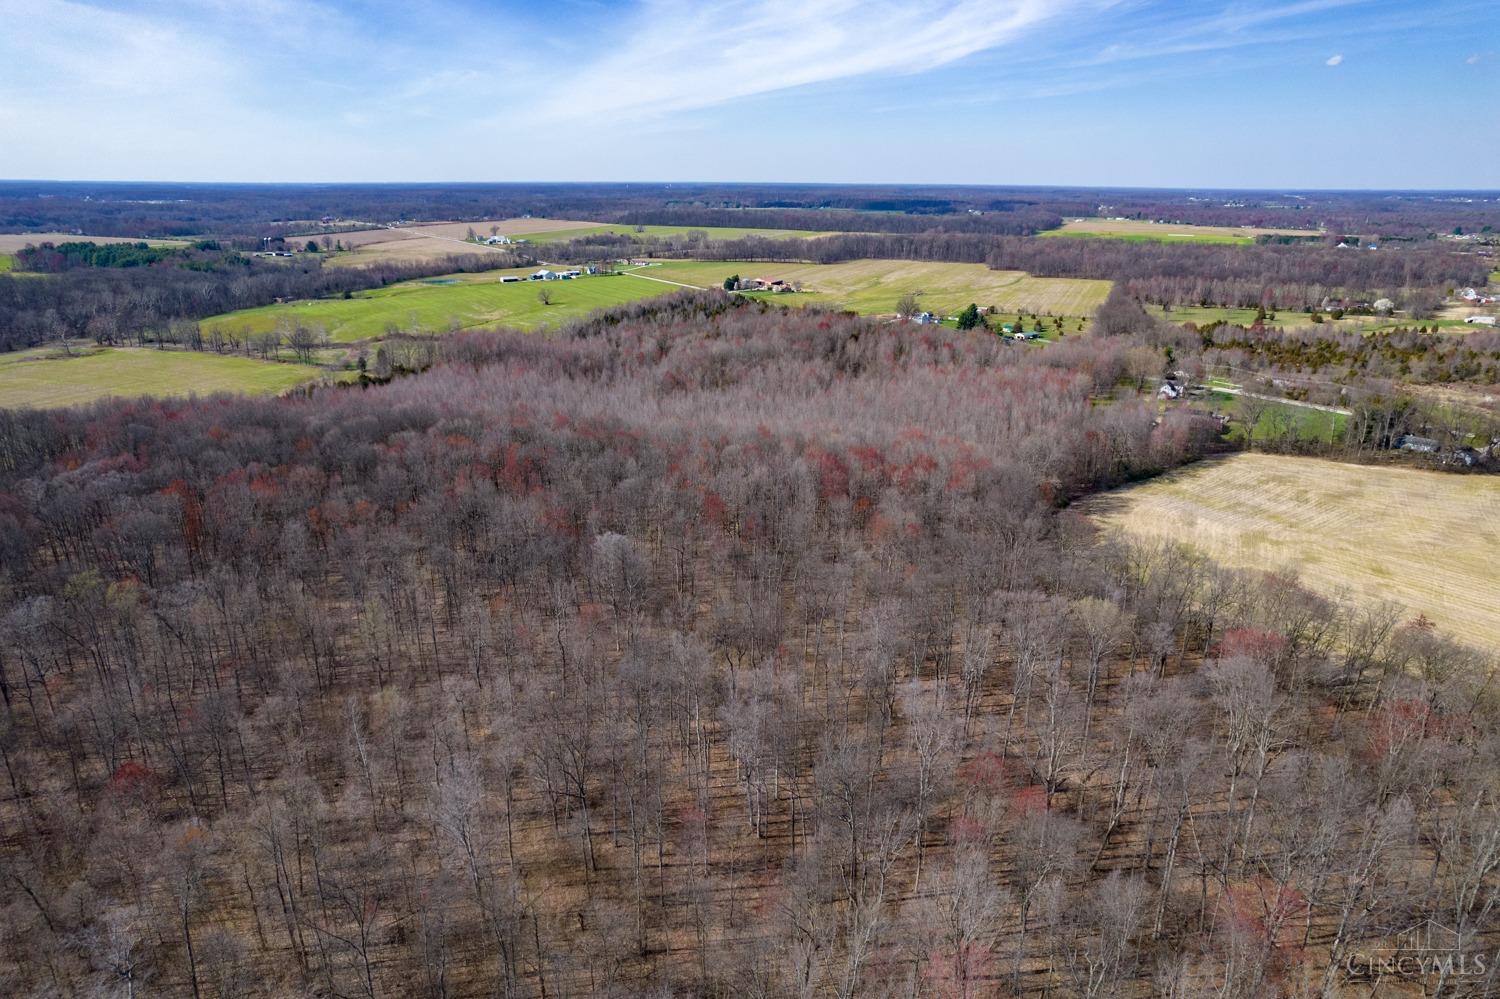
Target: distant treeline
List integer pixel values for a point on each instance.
(111, 303)
(1019, 220)
(256, 210)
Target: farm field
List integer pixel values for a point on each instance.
(868, 286)
(422, 242)
(10, 242)
(873, 287)
(1134, 230)
(433, 304)
(6, 263)
(1424, 539)
(44, 379)
(444, 230)
(647, 231)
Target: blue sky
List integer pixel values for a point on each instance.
(1297, 93)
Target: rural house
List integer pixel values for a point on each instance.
(1411, 442)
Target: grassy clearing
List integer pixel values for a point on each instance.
(7, 262)
(11, 242)
(1275, 319)
(1289, 319)
(872, 287)
(1140, 231)
(44, 379)
(434, 304)
(1421, 538)
(1279, 421)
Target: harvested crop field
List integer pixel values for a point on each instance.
(447, 230)
(10, 242)
(1427, 540)
(872, 287)
(1140, 230)
(44, 379)
(424, 241)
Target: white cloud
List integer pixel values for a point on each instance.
(1335, 60)
(680, 55)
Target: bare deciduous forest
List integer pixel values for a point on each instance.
(709, 649)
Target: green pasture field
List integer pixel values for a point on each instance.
(1304, 423)
(1287, 318)
(1276, 318)
(873, 287)
(1141, 231)
(648, 231)
(6, 263)
(433, 305)
(44, 378)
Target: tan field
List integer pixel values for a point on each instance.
(421, 242)
(10, 242)
(452, 230)
(1427, 540)
(1139, 227)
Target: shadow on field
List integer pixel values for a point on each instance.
(1110, 501)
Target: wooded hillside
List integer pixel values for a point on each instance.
(708, 649)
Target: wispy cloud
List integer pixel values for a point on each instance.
(680, 55)
(1335, 60)
(1179, 32)
(479, 89)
